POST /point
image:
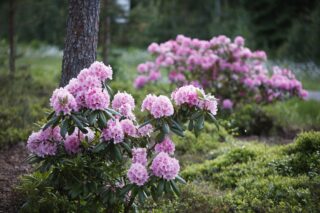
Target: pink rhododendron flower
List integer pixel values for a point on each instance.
(140, 81)
(101, 71)
(139, 155)
(128, 127)
(165, 167)
(161, 107)
(72, 143)
(123, 103)
(145, 130)
(147, 102)
(187, 95)
(63, 101)
(113, 131)
(96, 98)
(138, 174)
(227, 104)
(44, 143)
(166, 146)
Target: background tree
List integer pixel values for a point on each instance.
(81, 39)
(11, 33)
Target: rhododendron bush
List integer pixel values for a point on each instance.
(225, 67)
(96, 152)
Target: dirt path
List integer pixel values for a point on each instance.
(12, 165)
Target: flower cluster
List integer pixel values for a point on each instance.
(113, 131)
(158, 106)
(166, 146)
(72, 143)
(124, 103)
(139, 155)
(85, 91)
(165, 167)
(138, 174)
(227, 67)
(44, 142)
(195, 97)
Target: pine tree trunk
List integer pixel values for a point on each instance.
(12, 52)
(81, 39)
(106, 33)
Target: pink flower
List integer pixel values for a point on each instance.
(153, 48)
(74, 87)
(227, 104)
(72, 143)
(123, 103)
(96, 98)
(147, 102)
(138, 174)
(165, 167)
(128, 127)
(101, 71)
(62, 101)
(210, 104)
(161, 107)
(44, 143)
(187, 95)
(139, 155)
(166, 146)
(113, 131)
(145, 130)
(140, 81)
(239, 40)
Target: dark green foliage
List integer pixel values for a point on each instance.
(303, 157)
(250, 119)
(22, 102)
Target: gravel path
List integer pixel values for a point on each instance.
(12, 165)
(314, 95)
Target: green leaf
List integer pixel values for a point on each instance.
(100, 146)
(117, 153)
(113, 111)
(165, 128)
(214, 119)
(167, 187)
(145, 123)
(160, 137)
(160, 188)
(190, 125)
(79, 124)
(177, 132)
(200, 122)
(126, 147)
(126, 189)
(142, 196)
(52, 121)
(50, 115)
(195, 115)
(64, 127)
(71, 130)
(103, 118)
(175, 188)
(180, 179)
(92, 117)
(176, 124)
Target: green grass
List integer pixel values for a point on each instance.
(295, 114)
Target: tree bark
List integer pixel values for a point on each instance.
(106, 33)
(11, 32)
(81, 39)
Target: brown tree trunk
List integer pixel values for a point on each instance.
(106, 33)
(81, 39)
(12, 52)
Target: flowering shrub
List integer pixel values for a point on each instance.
(226, 67)
(91, 138)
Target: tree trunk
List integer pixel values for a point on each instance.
(12, 52)
(81, 39)
(106, 33)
